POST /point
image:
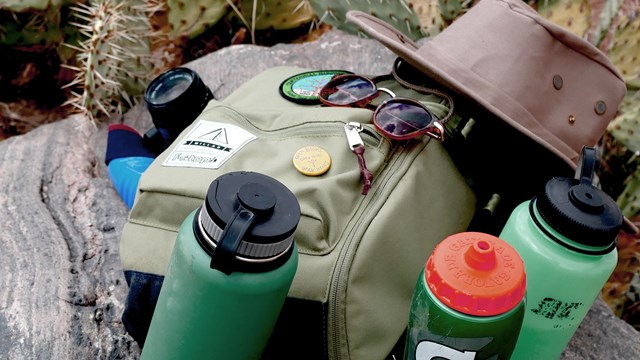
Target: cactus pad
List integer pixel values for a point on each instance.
(429, 16)
(278, 14)
(190, 18)
(573, 15)
(624, 50)
(397, 13)
(625, 128)
(23, 5)
(629, 200)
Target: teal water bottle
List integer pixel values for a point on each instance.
(566, 237)
(469, 301)
(229, 273)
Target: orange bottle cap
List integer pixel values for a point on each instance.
(477, 274)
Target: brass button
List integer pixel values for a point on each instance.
(312, 161)
(600, 108)
(572, 119)
(557, 82)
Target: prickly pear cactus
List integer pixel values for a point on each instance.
(22, 5)
(396, 12)
(624, 50)
(415, 18)
(573, 15)
(429, 15)
(625, 128)
(30, 28)
(112, 59)
(276, 14)
(629, 200)
(451, 9)
(190, 18)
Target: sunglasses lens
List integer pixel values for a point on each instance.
(346, 90)
(401, 118)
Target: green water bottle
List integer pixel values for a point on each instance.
(229, 273)
(566, 237)
(469, 301)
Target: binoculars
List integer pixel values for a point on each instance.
(174, 99)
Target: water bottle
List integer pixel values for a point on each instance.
(469, 301)
(566, 237)
(229, 273)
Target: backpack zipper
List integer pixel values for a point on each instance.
(367, 133)
(354, 230)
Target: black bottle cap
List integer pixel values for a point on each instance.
(247, 217)
(175, 98)
(578, 210)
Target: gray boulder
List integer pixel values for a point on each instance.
(62, 290)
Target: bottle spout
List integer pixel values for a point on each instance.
(481, 255)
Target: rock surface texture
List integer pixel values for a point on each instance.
(62, 289)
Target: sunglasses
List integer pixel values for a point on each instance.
(397, 118)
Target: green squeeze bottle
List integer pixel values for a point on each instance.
(469, 301)
(566, 237)
(229, 273)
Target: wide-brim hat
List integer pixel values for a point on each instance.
(547, 83)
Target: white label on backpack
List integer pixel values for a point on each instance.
(208, 145)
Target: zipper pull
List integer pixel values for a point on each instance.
(356, 145)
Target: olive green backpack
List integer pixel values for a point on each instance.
(359, 255)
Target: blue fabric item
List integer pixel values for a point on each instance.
(126, 160)
(124, 141)
(125, 174)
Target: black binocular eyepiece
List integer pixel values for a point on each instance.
(174, 99)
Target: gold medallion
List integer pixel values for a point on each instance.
(312, 161)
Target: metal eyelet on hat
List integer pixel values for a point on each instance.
(600, 107)
(557, 82)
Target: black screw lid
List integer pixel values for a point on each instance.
(257, 213)
(578, 210)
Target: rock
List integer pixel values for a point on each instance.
(62, 289)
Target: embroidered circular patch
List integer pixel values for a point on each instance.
(303, 88)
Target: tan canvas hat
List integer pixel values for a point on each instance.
(544, 81)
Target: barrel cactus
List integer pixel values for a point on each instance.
(113, 58)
